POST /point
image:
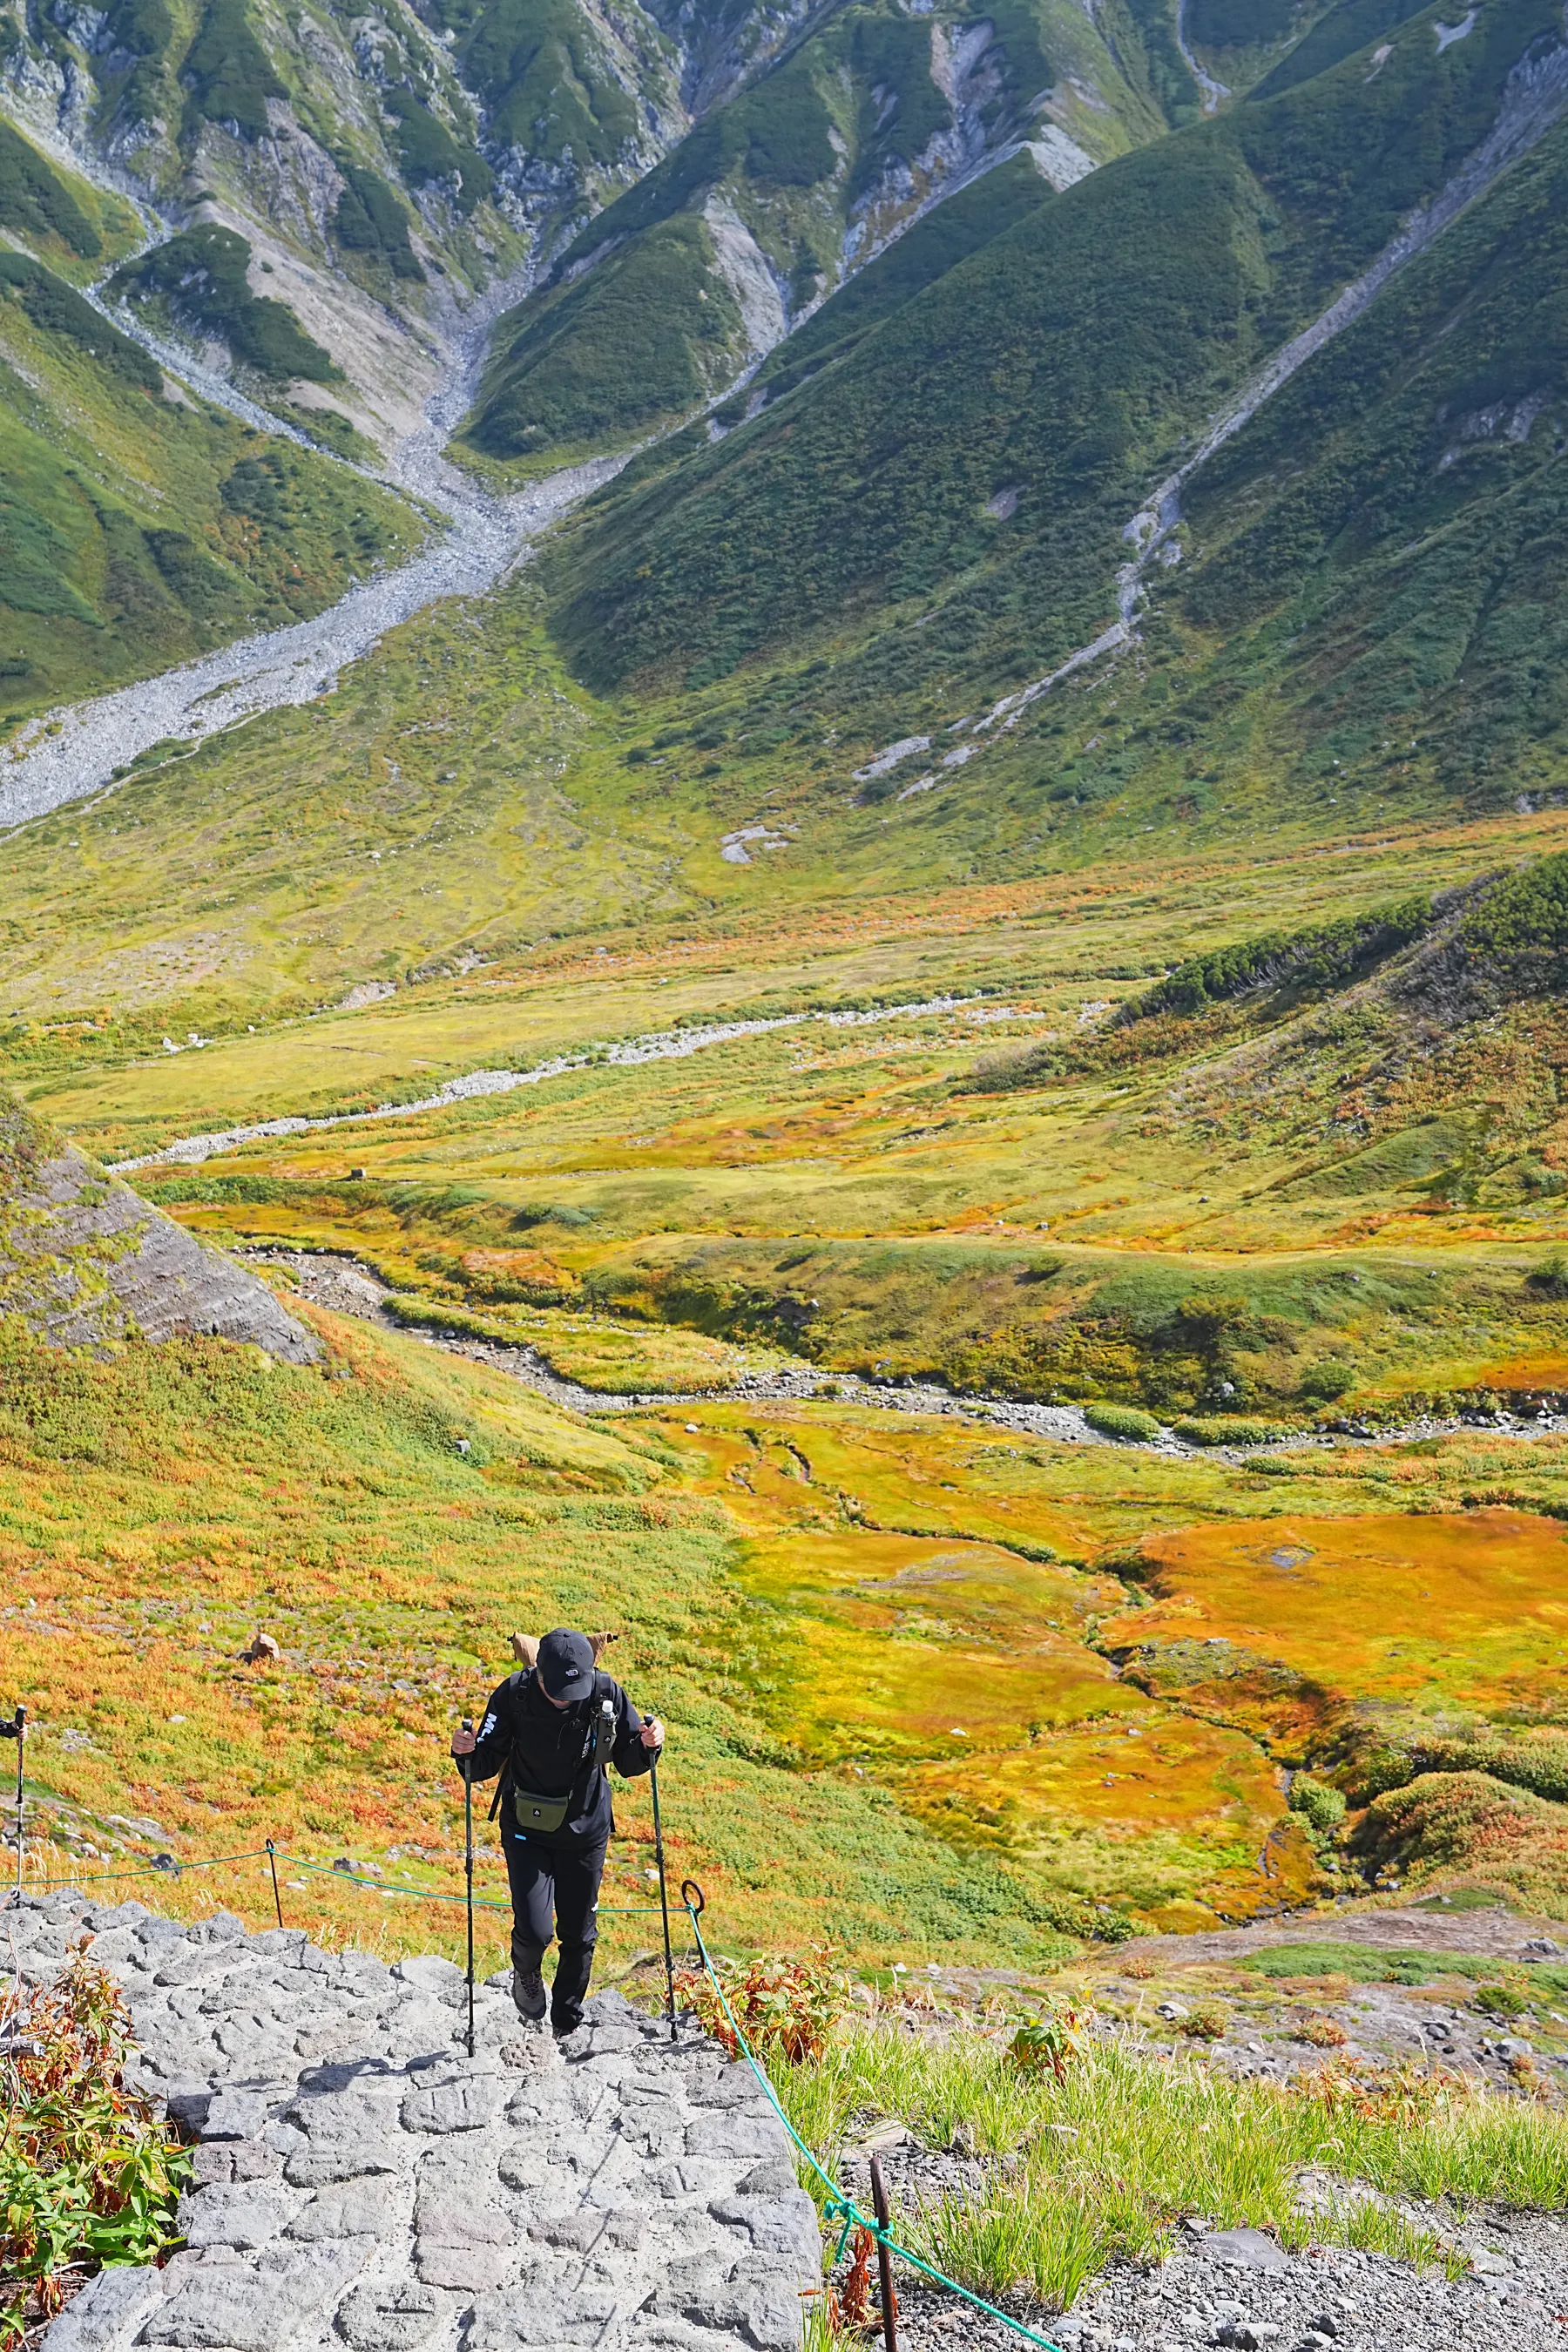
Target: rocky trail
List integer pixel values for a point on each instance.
(653, 1045)
(344, 1286)
(362, 2182)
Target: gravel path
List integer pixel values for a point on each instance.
(346, 1288)
(1495, 1932)
(282, 666)
(656, 1046)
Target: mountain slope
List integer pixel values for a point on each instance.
(776, 199)
(344, 154)
(137, 525)
(1383, 547)
(84, 1262)
(1113, 322)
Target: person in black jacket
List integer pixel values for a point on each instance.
(552, 1732)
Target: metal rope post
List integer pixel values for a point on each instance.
(16, 1730)
(884, 2258)
(277, 1897)
(663, 1894)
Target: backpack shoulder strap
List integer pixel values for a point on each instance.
(513, 1684)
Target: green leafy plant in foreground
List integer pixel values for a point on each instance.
(89, 2174)
(1108, 2154)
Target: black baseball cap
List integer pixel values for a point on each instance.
(565, 1665)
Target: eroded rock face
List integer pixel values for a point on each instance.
(362, 2182)
(84, 1259)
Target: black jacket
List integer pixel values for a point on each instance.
(540, 1747)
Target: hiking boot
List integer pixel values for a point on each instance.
(528, 1992)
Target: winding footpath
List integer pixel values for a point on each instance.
(656, 1046)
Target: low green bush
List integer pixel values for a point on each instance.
(58, 309)
(1229, 1429)
(431, 157)
(1324, 957)
(200, 274)
(369, 220)
(1318, 1803)
(1122, 1421)
(35, 200)
(227, 72)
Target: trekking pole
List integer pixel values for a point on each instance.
(663, 1894)
(468, 1872)
(16, 1730)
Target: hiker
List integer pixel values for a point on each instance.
(552, 1731)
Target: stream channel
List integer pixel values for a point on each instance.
(68, 753)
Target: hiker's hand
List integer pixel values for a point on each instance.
(464, 1743)
(652, 1734)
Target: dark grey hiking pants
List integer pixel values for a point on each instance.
(555, 1894)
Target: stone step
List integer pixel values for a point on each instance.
(362, 2182)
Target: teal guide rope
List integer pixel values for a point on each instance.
(173, 1869)
(839, 2207)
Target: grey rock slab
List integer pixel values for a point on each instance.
(215, 2162)
(429, 1974)
(318, 2163)
(244, 2214)
(256, 2307)
(783, 2225)
(106, 2315)
(467, 2103)
(452, 2219)
(469, 2269)
(735, 2135)
(764, 2312)
(364, 2207)
(236, 2114)
(393, 2317)
(1252, 2249)
(535, 2321)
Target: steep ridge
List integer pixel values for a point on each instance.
(870, 120)
(61, 756)
(83, 1262)
(141, 519)
(1534, 98)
